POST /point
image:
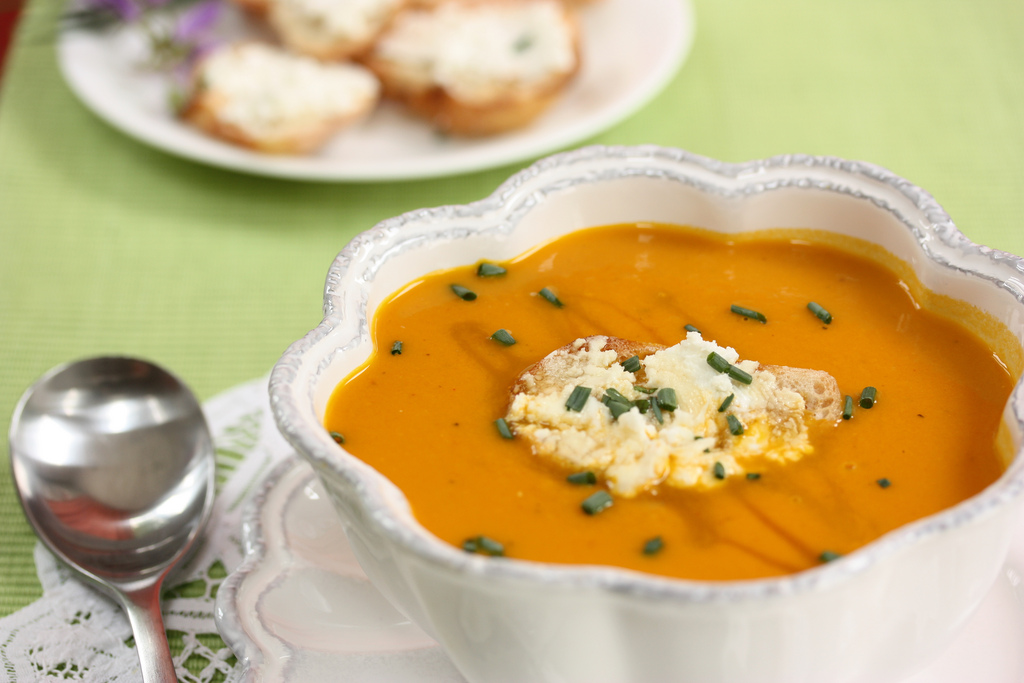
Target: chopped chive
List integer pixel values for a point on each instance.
(829, 556)
(653, 546)
(484, 546)
(338, 437)
(464, 293)
(722, 365)
(644, 390)
(718, 363)
(753, 476)
(697, 437)
(631, 364)
(504, 337)
(489, 270)
(748, 313)
(719, 470)
(597, 502)
(396, 349)
(656, 410)
(740, 375)
(726, 403)
(847, 407)
(643, 405)
(577, 399)
(823, 315)
(618, 408)
(615, 395)
(550, 297)
(884, 483)
(503, 429)
(582, 478)
(735, 426)
(868, 397)
(691, 328)
(667, 399)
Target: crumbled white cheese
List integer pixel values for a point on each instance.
(635, 452)
(477, 51)
(262, 88)
(348, 20)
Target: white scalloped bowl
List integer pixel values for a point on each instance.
(876, 614)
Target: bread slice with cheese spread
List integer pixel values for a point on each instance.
(670, 415)
(478, 67)
(330, 29)
(262, 97)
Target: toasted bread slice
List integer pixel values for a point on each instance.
(637, 436)
(330, 30)
(478, 68)
(267, 99)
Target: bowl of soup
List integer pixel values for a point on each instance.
(572, 430)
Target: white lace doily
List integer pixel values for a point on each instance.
(74, 633)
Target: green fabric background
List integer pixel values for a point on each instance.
(108, 246)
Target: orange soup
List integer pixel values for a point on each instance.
(422, 409)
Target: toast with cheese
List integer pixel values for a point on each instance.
(262, 97)
(672, 417)
(477, 68)
(331, 30)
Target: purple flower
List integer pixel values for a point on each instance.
(196, 21)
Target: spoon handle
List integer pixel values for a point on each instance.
(143, 608)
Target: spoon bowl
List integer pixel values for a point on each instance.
(113, 463)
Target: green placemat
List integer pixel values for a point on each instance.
(108, 246)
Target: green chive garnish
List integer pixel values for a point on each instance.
(847, 407)
(618, 408)
(504, 337)
(753, 476)
(550, 297)
(726, 403)
(464, 293)
(718, 363)
(489, 270)
(884, 483)
(667, 399)
(823, 315)
(643, 405)
(748, 313)
(503, 429)
(613, 394)
(722, 365)
(653, 546)
(644, 390)
(631, 364)
(691, 328)
(741, 376)
(656, 410)
(719, 470)
(338, 437)
(396, 349)
(577, 399)
(484, 546)
(735, 426)
(829, 556)
(587, 478)
(597, 502)
(868, 397)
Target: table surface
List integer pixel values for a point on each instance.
(110, 247)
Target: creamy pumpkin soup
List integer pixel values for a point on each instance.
(718, 407)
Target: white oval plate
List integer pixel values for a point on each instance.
(631, 49)
(299, 608)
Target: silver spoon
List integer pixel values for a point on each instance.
(113, 463)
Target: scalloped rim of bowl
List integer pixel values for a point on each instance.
(387, 510)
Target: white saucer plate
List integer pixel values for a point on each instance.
(631, 50)
(299, 608)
